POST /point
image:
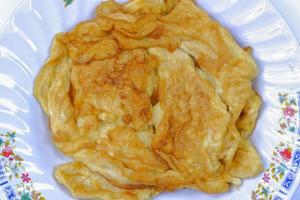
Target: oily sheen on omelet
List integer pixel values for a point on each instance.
(150, 96)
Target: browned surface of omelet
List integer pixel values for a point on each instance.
(150, 96)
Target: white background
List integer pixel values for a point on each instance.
(290, 9)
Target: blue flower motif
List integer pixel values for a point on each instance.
(15, 169)
(265, 191)
(293, 101)
(292, 129)
(281, 168)
(11, 135)
(282, 98)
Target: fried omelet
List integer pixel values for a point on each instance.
(150, 96)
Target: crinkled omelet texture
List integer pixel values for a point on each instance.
(150, 96)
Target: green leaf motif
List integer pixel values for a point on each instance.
(68, 2)
(270, 197)
(273, 170)
(281, 175)
(7, 143)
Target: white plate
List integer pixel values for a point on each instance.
(25, 46)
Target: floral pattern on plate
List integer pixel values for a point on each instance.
(15, 181)
(278, 178)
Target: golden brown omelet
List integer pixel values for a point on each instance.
(150, 96)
